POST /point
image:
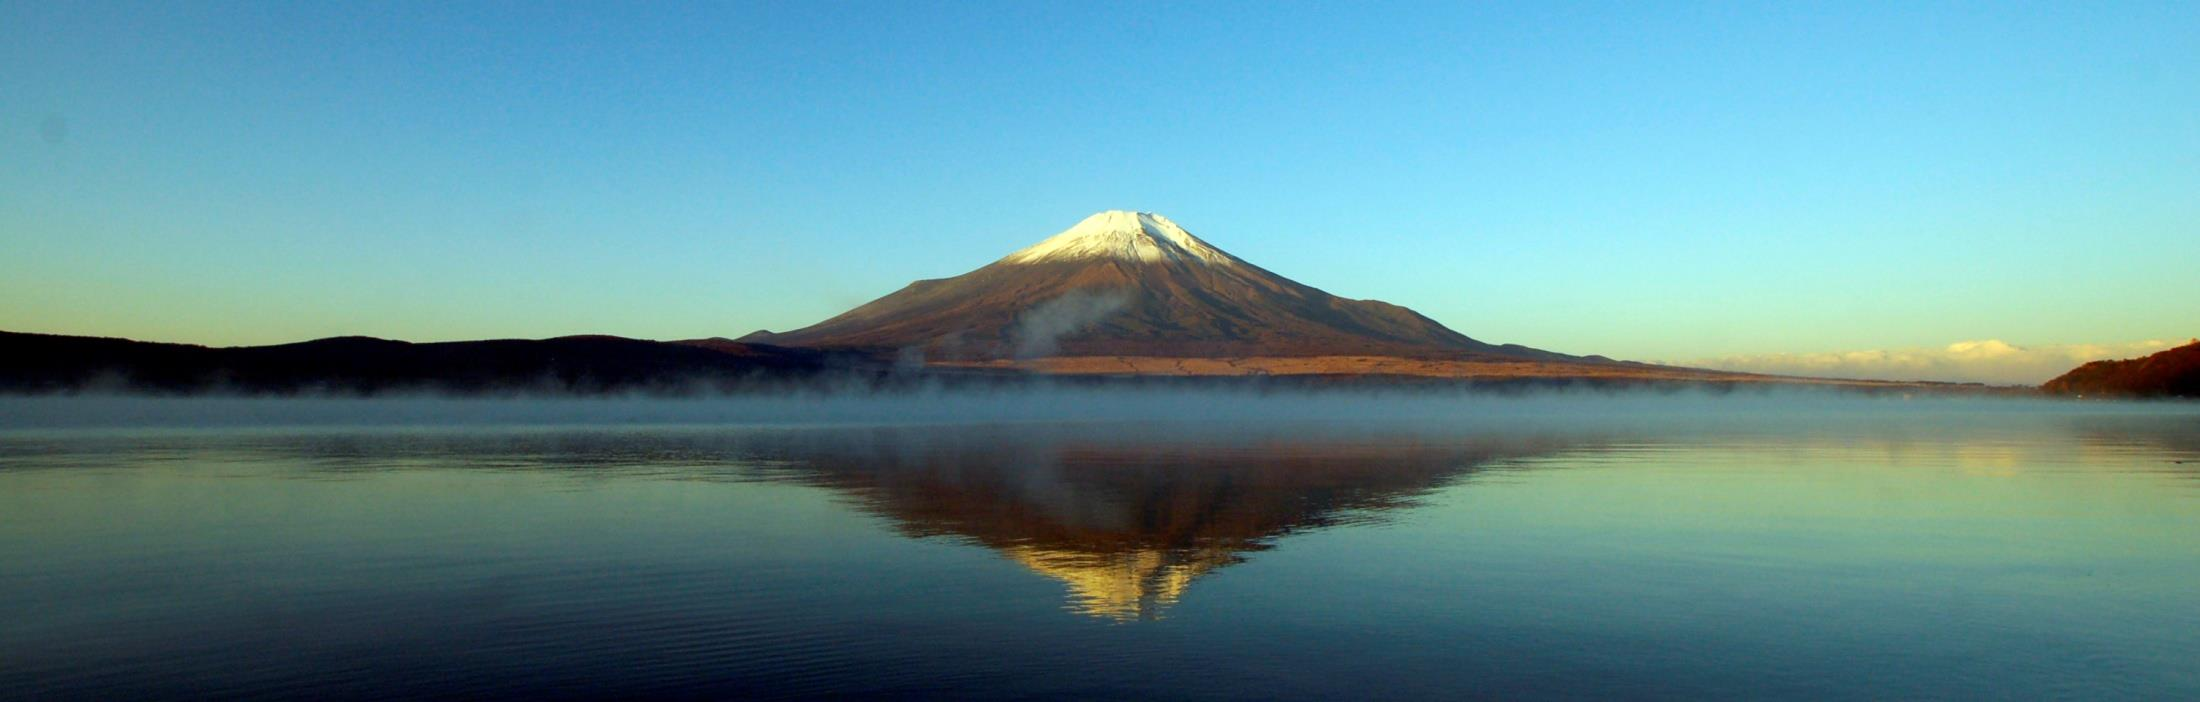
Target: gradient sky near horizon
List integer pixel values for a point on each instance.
(1641, 180)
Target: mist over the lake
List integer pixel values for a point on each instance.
(1397, 409)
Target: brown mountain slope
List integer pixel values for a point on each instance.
(2170, 373)
(1134, 284)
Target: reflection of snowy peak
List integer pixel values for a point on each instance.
(1125, 283)
(1129, 585)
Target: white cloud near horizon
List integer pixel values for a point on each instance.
(1984, 361)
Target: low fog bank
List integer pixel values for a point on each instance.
(1148, 406)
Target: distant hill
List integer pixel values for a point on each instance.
(2170, 373)
(592, 365)
(364, 365)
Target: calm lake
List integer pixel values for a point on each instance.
(1101, 545)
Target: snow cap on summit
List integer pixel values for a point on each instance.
(1125, 235)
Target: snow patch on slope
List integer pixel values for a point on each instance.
(1125, 235)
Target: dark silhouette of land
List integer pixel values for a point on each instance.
(363, 365)
(590, 365)
(2169, 373)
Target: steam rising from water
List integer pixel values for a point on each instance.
(1040, 329)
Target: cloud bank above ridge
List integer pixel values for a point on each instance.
(1981, 361)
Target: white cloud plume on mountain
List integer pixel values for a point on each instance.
(1983, 361)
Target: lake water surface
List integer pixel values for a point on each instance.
(1240, 547)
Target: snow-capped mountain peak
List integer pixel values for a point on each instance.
(1125, 235)
(1132, 284)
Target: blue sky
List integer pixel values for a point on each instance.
(1642, 180)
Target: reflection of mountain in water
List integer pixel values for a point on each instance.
(1129, 522)
(1126, 516)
